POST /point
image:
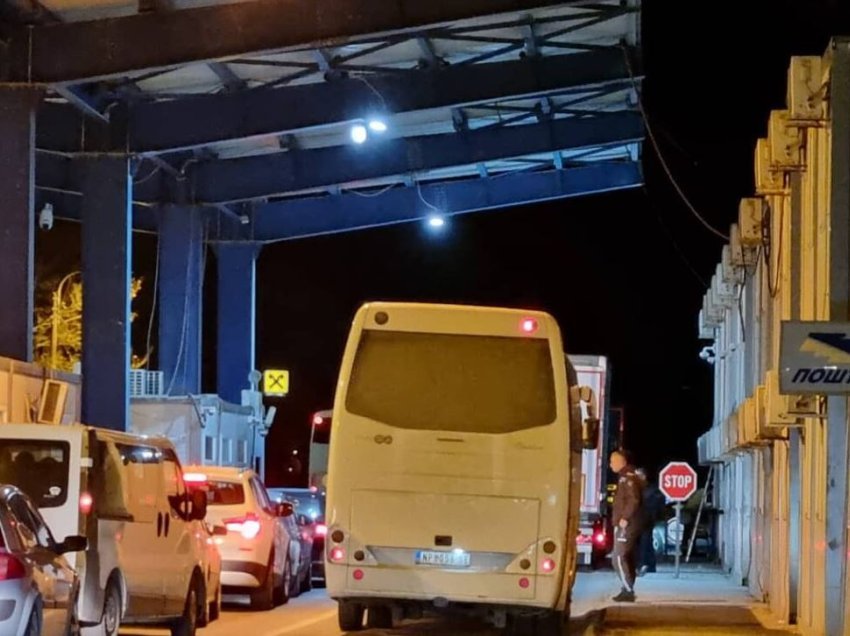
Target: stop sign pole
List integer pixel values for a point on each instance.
(678, 481)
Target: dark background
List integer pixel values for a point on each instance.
(624, 273)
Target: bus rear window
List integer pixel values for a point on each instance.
(462, 383)
(38, 467)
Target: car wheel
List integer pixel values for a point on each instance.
(215, 606)
(262, 599)
(34, 623)
(307, 581)
(73, 625)
(187, 624)
(284, 590)
(204, 617)
(111, 610)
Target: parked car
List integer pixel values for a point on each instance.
(38, 588)
(310, 513)
(144, 561)
(258, 556)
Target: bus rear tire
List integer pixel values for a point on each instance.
(350, 616)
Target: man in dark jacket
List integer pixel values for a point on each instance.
(652, 510)
(626, 518)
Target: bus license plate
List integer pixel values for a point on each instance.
(445, 559)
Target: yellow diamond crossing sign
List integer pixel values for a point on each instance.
(276, 382)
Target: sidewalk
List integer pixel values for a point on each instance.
(702, 596)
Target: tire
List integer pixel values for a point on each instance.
(187, 624)
(262, 599)
(111, 620)
(283, 592)
(350, 616)
(307, 581)
(380, 617)
(215, 606)
(34, 622)
(204, 618)
(73, 626)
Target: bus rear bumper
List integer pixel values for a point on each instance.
(441, 588)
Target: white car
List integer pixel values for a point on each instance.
(257, 556)
(147, 549)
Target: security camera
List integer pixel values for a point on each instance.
(708, 354)
(45, 217)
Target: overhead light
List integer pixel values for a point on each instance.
(436, 221)
(359, 134)
(377, 126)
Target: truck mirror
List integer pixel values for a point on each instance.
(590, 433)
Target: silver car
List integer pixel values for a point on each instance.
(38, 588)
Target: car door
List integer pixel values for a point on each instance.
(178, 543)
(281, 539)
(134, 480)
(50, 572)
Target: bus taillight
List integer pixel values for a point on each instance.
(337, 555)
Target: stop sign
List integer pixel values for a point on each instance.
(677, 481)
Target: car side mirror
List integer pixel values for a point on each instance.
(284, 509)
(198, 501)
(590, 433)
(219, 531)
(74, 543)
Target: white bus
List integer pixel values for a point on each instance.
(455, 468)
(320, 437)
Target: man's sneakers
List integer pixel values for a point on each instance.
(624, 597)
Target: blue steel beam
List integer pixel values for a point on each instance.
(236, 317)
(181, 254)
(300, 218)
(107, 246)
(17, 221)
(268, 175)
(118, 46)
(198, 121)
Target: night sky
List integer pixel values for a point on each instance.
(623, 273)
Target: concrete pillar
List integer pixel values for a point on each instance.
(107, 249)
(181, 254)
(236, 317)
(17, 220)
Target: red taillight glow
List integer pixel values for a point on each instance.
(337, 555)
(548, 565)
(249, 526)
(524, 583)
(318, 420)
(86, 503)
(194, 478)
(321, 530)
(599, 537)
(10, 567)
(528, 325)
(358, 575)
